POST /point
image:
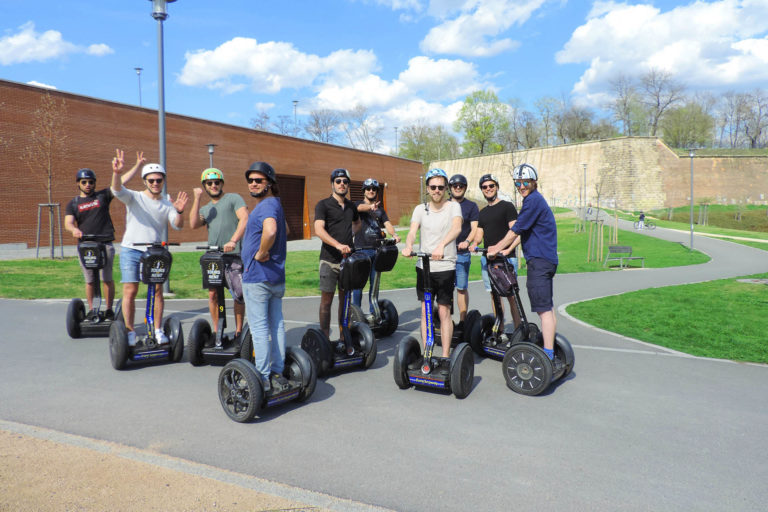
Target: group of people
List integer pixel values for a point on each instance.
(450, 227)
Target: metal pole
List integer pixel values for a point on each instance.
(295, 124)
(691, 155)
(584, 210)
(138, 74)
(161, 125)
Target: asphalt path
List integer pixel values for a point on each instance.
(634, 427)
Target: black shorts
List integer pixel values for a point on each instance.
(539, 284)
(442, 285)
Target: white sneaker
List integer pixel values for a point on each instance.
(131, 338)
(161, 337)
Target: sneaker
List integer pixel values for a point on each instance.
(557, 364)
(278, 381)
(92, 315)
(131, 338)
(265, 385)
(161, 337)
(109, 314)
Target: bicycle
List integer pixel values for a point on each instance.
(647, 225)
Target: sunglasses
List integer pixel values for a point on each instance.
(87, 182)
(153, 181)
(341, 181)
(437, 187)
(257, 181)
(488, 187)
(371, 188)
(458, 185)
(519, 184)
(210, 183)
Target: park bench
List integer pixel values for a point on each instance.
(622, 254)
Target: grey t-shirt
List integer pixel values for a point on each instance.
(221, 219)
(144, 217)
(435, 225)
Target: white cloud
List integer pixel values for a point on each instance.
(702, 44)
(27, 45)
(442, 78)
(40, 84)
(263, 106)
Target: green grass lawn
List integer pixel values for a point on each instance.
(721, 319)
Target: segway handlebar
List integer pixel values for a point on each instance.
(155, 244)
(381, 242)
(97, 238)
(216, 248)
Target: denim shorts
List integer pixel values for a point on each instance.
(129, 264)
(463, 261)
(539, 284)
(484, 270)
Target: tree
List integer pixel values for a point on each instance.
(687, 126)
(47, 144)
(427, 143)
(548, 108)
(756, 118)
(660, 92)
(323, 125)
(261, 121)
(284, 125)
(481, 119)
(626, 106)
(362, 131)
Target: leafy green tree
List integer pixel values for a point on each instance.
(427, 143)
(687, 125)
(481, 120)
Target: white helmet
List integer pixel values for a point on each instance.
(152, 168)
(525, 172)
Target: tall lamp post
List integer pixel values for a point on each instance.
(138, 75)
(396, 147)
(295, 126)
(210, 153)
(691, 153)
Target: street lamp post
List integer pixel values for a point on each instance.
(295, 124)
(584, 210)
(210, 153)
(691, 153)
(138, 75)
(396, 148)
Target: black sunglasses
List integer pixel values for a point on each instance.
(488, 187)
(437, 187)
(371, 188)
(87, 182)
(258, 181)
(153, 181)
(210, 183)
(341, 181)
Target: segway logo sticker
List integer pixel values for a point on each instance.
(158, 270)
(213, 271)
(89, 257)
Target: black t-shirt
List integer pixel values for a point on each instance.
(92, 213)
(494, 220)
(372, 223)
(338, 224)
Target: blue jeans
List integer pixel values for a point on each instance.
(357, 295)
(264, 310)
(484, 270)
(129, 264)
(463, 261)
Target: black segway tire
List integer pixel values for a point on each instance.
(389, 316)
(472, 317)
(527, 369)
(407, 352)
(564, 351)
(462, 370)
(118, 345)
(318, 346)
(118, 309)
(246, 343)
(75, 315)
(367, 341)
(533, 332)
(299, 367)
(475, 335)
(198, 337)
(240, 391)
(172, 328)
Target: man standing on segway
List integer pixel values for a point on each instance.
(536, 228)
(439, 223)
(373, 221)
(146, 213)
(88, 213)
(469, 214)
(336, 221)
(496, 219)
(225, 216)
(264, 252)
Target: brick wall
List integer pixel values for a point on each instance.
(94, 128)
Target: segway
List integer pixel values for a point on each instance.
(529, 371)
(241, 392)
(154, 268)
(384, 319)
(203, 346)
(411, 369)
(486, 333)
(357, 349)
(93, 255)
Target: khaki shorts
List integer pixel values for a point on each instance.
(329, 276)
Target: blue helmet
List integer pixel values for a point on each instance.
(432, 173)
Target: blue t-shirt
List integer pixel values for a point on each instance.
(469, 213)
(272, 270)
(537, 229)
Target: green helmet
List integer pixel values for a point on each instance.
(211, 174)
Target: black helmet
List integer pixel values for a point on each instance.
(458, 179)
(488, 177)
(263, 168)
(340, 173)
(85, 174)
(370, 182)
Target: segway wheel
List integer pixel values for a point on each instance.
(533, 332)
(118, 345)
(75, 315)
(367, 341)
(527, 369)
(172, 328)
(198, 336)
(389, 316)
(475, 333)
(408, 351)
(356, 315)
(472, 316)
(564, 352)
(246, 344)
(300, 368)
(118, 309)
(240, 390)
(317, 345)
(462, 370)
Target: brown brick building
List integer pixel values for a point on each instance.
(94, 128)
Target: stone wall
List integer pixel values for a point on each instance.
(632, 173)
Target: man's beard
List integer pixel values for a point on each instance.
(457, 197)
(260, 194)
(215, 195)
(492, 199)
(342, 194)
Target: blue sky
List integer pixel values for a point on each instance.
(407, 61)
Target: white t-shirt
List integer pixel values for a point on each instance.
(144, 217)
(435, 225)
